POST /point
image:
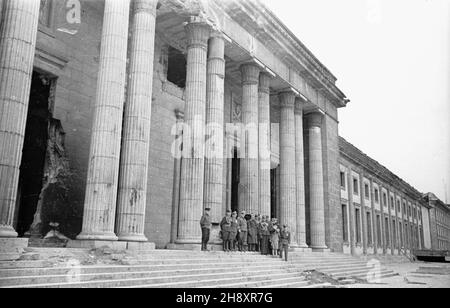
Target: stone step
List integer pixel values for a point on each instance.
(299, 281)
(59, 263)
(188, 281)
(362, 274)
(20, 272)
(117, 275)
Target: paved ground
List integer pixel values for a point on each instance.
(413, 275)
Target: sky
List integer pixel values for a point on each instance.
(391, 58)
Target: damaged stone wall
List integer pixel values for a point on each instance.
(54, 201)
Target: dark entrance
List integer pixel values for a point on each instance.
(273, 193)
(235, 173)
(33, 153)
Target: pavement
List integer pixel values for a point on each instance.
(413, 275)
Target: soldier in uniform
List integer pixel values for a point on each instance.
(234, 231)
(243, 229)
(205, 224)
(285, 241)
(225, 228)
(252, 236)
(265, 235)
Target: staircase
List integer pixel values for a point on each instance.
(78, 268)
(340, 266)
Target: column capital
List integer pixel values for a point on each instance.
(299, 105)
(198, 33)
(250, 73)
(287, 99)
(146, 6)
(315, 119)
(264, 82)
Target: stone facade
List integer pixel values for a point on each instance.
(140, 85)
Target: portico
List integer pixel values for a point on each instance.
(260, 80)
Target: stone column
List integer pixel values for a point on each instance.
(132, 199)
(193, 166)
(288, 187)
(375, 226)
(103, 169)
(317, 203)
(351, 209)
(362, 195)
(249, 182)
(264, 144)
(214, 150)
(17, 48)
(300, 174)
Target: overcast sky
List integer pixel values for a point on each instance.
(391, 58)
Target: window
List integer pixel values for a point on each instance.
(392, 202)
(377, 196)
(409, 211)
(358, 226)
(401, 233)
(404, 208)
(384, 200)
(344, 223)
(343, 180)
(394, 233)
(176, 67)
(369, 228)
(355, 186)
(398, 206)
(366, 191)
(386, 227)
(379, 230)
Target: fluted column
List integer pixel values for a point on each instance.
(17, 49)
(215, 85)
(288, 187)
(317, 212)
(132, 197)
(300, 174)
(193, 166)
(249, 183)
(264, 144)
(103, 169)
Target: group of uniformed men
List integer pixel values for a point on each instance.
(248, 232)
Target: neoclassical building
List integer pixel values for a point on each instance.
(122, 120)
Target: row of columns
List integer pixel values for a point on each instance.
(202, 178)
(394, 235)
(116, 186)
(105, 189)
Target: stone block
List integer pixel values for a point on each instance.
(299, 249)
(140, 246)
(97, 244)
(13, 245)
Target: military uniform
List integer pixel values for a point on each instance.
(205, 224)
(225, 227)
(285, 241)
(243, 229)
(252, 237)
(233, 233)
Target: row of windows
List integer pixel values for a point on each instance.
(405, 233)
(409, 210)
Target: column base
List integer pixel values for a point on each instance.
(114, 245)
(132, 238)
(97, 237)
(320, 249)
(193, 246)
(7, 232)
(13, 245)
